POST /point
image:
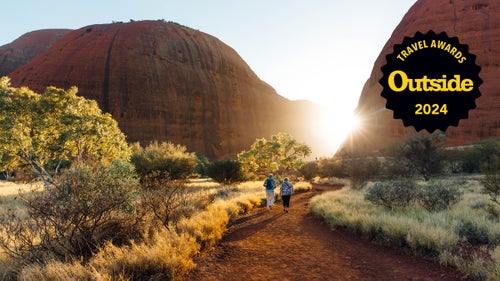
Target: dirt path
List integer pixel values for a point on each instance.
(273, 245)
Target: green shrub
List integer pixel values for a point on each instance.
(393, 193)
(436, 196)
(309, 170)
(474, 233)
(226, 171)
(170, 160)
(491, 180)
(202, 163)
(332, 167)
(493, 210)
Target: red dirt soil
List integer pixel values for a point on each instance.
(273, 245)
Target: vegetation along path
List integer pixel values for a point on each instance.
(273, 245)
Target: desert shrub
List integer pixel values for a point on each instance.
(491, 183)
(358, 173)
(202, 162)
(417, 154)
(169, 159)
(493, 210)
(393, 193)
(474, 233)
(309, 170)
(166, 201)
(226, 171)
(436, 196)
(397, 168)
(471, 162)
(491, 180)
(332, 167)
(91, 205)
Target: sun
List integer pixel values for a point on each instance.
(348, 125)
(354, 123)
(336, 128)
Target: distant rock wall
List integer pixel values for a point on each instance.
(475, 23)
(162, 81)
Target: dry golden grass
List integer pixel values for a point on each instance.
(164, 255)
(431, 234)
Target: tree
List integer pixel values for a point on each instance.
(56, 125)
(420, 154)
(281, 151)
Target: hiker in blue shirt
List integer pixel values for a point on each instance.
(270, 185)
(286, 190)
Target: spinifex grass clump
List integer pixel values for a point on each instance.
(463, 234)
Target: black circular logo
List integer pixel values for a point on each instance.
(430, 81)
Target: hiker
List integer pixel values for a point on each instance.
(286, 190)
(270, 185)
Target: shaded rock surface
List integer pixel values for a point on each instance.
(26, 47)
(475, 23)
(163, 81)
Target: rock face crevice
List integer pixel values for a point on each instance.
(475, 23)
(166, 82)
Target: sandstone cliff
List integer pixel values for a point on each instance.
(26, 47)
(475, 23)
(163, 81)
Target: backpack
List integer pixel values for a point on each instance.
(286, 188)
(269, 184)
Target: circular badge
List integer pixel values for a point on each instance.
(430, 81)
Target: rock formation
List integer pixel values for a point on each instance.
(26, 47)
(163, 81)
(475, 23)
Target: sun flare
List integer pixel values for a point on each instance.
(336, 127)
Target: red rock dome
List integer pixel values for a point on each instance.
(475, 23)
(163, 81)
(26, 47)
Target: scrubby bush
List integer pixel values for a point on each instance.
(201, 168)
(309, 170)
(91, 205)
(436, 196)
(170, 160)
(226, 171)
(491, 180)
(417, 154)
(471, 162)
(361, 169)
(393, 193)
(165, 201)
(474, 233)
(332, 167)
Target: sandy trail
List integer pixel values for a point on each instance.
(273, 245)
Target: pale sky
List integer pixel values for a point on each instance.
(318, 50)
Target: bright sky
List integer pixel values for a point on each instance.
(319, 50)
